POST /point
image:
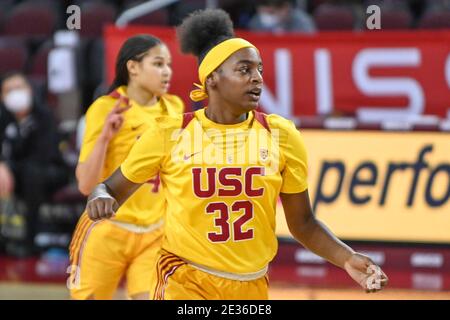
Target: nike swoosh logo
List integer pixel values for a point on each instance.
(187, 157)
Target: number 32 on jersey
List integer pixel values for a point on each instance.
(238, 181)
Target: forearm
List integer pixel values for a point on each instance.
(89, 172)
(119, 187)
(100, 190)
(110, 194)
(316, 237)
(106, 198)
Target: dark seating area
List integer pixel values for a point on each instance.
(27, 29)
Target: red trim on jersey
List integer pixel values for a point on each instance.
(187, 117)
(115, 94)
(261, 118)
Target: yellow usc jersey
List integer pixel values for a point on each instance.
(147, 205)
(221, 184)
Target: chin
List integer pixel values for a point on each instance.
(160, 93)
(251, 106)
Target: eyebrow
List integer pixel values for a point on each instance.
(250, 62)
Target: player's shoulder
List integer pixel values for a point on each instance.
(174, 102)
(168, 122)
(284, 126)
(102, 105)
(163, 128)
(278, 122)
(172, 98)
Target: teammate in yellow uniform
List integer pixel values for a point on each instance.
(103, 252)
(222, 169)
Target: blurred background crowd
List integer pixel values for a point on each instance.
(43, 97)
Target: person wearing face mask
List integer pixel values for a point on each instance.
(279, 16)
(31, 165)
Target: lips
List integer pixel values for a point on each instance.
(254, 93)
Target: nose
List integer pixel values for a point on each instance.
(167, 71)
(257, 77)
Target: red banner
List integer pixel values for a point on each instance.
(374, 75)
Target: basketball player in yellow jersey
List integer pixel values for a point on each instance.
(103, 252)
(222, 175)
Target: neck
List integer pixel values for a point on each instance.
(223, 114)
(142, 97)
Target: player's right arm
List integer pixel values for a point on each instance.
(142, 163)
(107, 197)
(100, 129)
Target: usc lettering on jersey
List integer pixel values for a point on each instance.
(221, 183)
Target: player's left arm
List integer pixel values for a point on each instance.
(303, 225)
(315, 236)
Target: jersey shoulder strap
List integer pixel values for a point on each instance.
(187, 118)
(259, 116)
(114, 94)
(262, 119)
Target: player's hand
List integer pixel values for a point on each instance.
(114, 119)
(6, 181)
(366, 273)
(101, 205)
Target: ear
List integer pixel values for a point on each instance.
(132, 67)
(212, 79)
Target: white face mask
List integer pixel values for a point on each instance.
(268, 20)
(17, 100)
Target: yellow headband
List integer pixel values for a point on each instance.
(215, 57)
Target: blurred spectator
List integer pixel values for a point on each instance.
(31, 166)
(387, 4)
(437, 5)
(280, 16)
(240, 11)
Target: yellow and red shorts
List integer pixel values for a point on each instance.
(102, 252)
(174, 279)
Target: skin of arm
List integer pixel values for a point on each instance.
(107, 197)
(310, 232)
(316, 237)
(89, 172)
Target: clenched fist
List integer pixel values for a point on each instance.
(101, 205)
